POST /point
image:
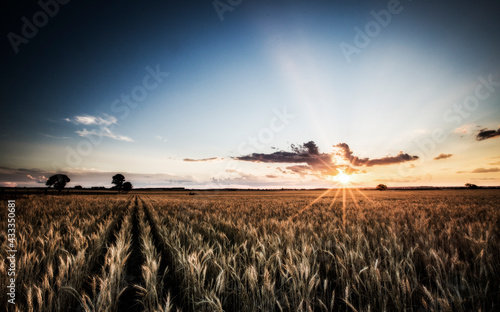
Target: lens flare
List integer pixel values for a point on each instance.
(343, 178)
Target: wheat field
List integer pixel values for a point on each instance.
(257, 251)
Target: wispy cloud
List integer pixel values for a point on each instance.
(40, 179)
(105, 132)
(159, 137)
(426, 177)
(236, 177)
(442, 156)
(89, 120)
(271, 176)
(300, 169)
(203, 159)
(103, 124)
(22, 177)
(481, 170)
(55, 137)
(465, 129)
(485, 170)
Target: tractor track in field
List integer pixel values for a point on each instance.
(130, 298)
(170, 282)
(109, 240)
(223, 234)
(97, 259)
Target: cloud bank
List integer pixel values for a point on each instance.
(388, 160)
(481, 170)
(307, 153)
(308, 159)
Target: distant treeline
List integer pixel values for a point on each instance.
(112, 190)
(17, 191)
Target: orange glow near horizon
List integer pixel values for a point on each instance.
(344, 183)
(343, 178)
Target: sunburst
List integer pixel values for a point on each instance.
(343, 182)
(343, 178)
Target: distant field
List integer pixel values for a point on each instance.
(433, 250)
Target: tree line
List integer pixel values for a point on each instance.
(59, 181)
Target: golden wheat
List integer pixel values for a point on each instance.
(260, 251)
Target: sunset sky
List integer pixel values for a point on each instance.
(260, 94)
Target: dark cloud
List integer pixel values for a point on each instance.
(442, 156)
(203, 159)
(481, 170)
(487, 134)
(310, 146)
(306, 153)
(323, 163)
(300, 169)
(388, 160)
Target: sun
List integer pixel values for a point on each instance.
(343, 178)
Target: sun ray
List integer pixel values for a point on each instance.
(364, 195)
(343, 206)
(334, 198)
(354, 198)
(312, 203)
(343, 180)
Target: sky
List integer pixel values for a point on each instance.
(251, 94)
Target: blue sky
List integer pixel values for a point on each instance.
(216, 90)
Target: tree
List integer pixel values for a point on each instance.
(118, 180)
(381, 187)
(78, 187)
(58, 181)
(127, 186)
(471, 186)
